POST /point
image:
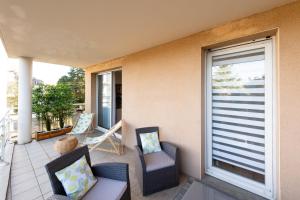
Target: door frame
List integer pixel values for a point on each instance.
(113, 101)
(267, 190)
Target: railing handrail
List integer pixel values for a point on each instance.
(4, 130)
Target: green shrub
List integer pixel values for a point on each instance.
(51, 102)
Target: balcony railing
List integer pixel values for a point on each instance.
(5, 127)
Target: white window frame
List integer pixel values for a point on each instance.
(266, 190)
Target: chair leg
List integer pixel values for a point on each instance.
(117, 150)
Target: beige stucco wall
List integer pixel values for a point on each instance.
(163, 86)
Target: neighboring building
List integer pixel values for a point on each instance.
(36, 81)
(12, 89)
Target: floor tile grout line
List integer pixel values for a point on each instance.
(45, 151)
(9, 192)
(24, 173)
(40, 143)
(34, 172)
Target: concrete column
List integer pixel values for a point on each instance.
(25, 100)
(88, 103)
(90, 93)
(3, 80)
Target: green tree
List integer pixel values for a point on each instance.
(62, 102)
(51, 102)
(75, 79)
(41, 104)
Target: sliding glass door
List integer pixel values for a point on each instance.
(240, 116)
(104, 100)
(109, 99)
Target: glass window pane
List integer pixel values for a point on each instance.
(104, 100)
(238, 108)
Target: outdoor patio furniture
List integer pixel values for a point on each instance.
(113, 178)
(65, 144)
(95, 142)
(156, 171)
(84, 124)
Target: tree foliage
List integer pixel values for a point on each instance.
(41, 104)
(51, 102)
(62, 103)
(75, 80)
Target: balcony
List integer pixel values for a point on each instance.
(29, 180)
(219, 78)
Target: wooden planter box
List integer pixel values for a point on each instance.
(68, 129)
(54, 133)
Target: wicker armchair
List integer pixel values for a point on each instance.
(156, 171)
(112, 173)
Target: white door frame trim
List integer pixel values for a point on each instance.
(266, 190)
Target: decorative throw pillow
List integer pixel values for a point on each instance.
(77, 178)
(150, 142)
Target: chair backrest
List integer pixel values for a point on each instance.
(145, 130)
(84, 122)
(61, 163)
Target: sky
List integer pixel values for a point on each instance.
(49, 73)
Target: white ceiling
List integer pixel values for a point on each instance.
(85, 32)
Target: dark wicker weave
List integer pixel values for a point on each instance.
(160, 179)
(116, 171)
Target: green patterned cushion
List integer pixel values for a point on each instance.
(150, 142)
(77, 178)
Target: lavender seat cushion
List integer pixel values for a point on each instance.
(158, 160)
(106, 189)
